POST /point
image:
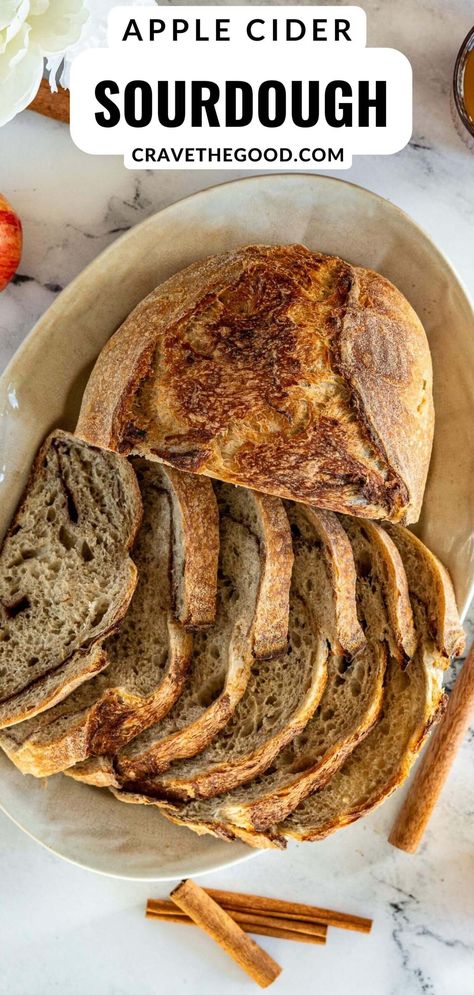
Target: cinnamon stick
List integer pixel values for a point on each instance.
(55, 105)
(216, 922)
(256, 927)
(436, 762)
(163, 909)
(289, 910)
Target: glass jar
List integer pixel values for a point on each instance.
(462, 97)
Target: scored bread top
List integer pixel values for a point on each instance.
(282, 369)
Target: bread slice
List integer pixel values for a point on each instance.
(252, 619)
(277, 368)
(413, 701)
(279, 702)
(151, 653)
(66, 578)
(432, 593)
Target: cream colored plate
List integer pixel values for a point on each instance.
(42, 388)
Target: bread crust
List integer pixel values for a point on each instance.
(79, 668)
(196, 736)
(272, 803)
(221, 776)
(270, 627)
(285, 370)
(358, 812)
(224, 776)
(347, 636)
(194, 504)
(103, 727)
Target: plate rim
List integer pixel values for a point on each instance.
(129, 877)
(71, 287)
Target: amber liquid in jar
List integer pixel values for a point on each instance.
(468, 85)
(462, 94)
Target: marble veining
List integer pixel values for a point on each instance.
(73, 206)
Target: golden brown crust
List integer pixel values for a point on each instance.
(268, 637)
(270, 628)
(81, 667)
(281, 369)
(221, 830)
(195, 590)
(97, 771)
(348, 636)
(438, 632)
(114, 719)
(274, 802)
(193, 738)
(272, 808)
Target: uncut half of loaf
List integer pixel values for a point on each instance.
(286, 370)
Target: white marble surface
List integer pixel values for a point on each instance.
(63, 929)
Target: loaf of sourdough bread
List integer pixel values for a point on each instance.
(279, 368)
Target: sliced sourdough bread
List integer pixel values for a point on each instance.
(66, 578)
(351, 702)
(352, 698)
(280, 701)
(150, 655)
(412, 702)
(252, 619)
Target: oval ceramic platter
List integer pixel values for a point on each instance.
(42, 388)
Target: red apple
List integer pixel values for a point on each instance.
(11, 242)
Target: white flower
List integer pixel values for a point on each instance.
(29, 31)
